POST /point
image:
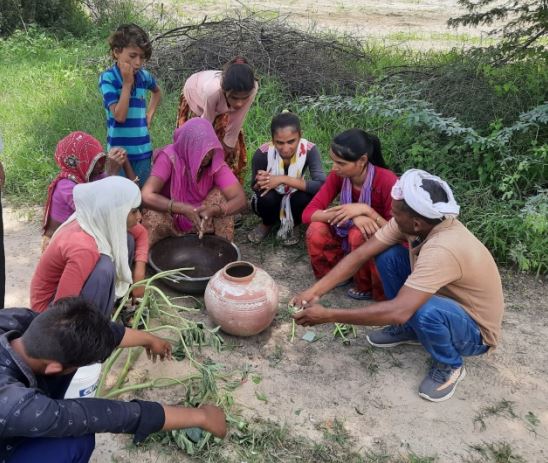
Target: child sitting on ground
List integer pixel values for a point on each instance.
(124, 87)
(81, 159)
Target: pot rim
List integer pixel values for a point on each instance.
(239, 279)
(185, 278)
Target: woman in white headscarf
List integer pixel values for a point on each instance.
(89, 255)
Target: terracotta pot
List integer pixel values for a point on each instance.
(242, 299)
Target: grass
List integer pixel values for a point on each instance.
(495, 452)
(48, 88)
(501, 408)
(264, 441)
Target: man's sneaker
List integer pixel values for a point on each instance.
(440, 382)
(391, 336)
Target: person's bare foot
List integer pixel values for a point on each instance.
(214, 420)
(259, 233)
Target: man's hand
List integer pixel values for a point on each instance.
(314, 314)
(158, 347)
(305, 298)
(128, 76)
(366, 225)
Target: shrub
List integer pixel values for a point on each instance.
(60, 15)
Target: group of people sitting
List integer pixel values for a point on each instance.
(397, 241)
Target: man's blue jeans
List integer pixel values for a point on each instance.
(441, 325)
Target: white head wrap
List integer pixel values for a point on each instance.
(409, 188)
(102, 208)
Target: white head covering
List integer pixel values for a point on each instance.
(409, 188)
(102, 208)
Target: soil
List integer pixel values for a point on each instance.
(372, 391)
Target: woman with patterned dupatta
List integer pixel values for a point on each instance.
(363, 183)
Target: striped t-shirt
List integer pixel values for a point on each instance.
(133, 133)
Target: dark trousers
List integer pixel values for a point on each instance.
(267, 207)
(99, 287)
(54, 450)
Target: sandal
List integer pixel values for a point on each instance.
(258, 234)
(344, 283)
(355, 293)
(292, 239)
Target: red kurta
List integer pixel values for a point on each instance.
(325, 247)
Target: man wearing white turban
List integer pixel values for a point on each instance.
(444, 292)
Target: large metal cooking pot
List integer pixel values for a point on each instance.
(206, 255)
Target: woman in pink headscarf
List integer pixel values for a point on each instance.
(191, 188)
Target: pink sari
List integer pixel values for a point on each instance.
(191, 143)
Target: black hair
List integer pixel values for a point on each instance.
(437, 195)
(352, 144)
(130, 35)
(72, 332)
(238, 76)
(283, 120)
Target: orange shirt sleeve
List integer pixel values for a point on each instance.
(80, 262)
(140, 234)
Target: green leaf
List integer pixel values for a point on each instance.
(261, 396)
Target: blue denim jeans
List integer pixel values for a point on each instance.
(441, 325)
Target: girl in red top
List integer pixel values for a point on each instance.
(363, 183)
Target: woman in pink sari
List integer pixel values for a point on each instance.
(191, 188)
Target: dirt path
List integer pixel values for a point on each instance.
(503, 400)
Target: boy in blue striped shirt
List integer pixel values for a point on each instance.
(124, 87)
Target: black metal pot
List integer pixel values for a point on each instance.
(207, 256)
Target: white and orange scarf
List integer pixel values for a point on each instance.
(276, 167)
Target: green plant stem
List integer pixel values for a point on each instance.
(157, 382)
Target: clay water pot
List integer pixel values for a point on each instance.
(242, 299)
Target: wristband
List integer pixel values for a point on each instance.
(170, 207)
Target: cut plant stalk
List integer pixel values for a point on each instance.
(343, 330)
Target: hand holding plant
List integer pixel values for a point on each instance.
(314, 314)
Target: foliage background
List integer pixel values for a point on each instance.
(481, 126)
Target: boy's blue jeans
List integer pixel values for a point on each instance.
(441, 325)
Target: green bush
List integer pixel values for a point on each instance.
(498, 173)
(59, 15)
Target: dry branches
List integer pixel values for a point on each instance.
(305, 63)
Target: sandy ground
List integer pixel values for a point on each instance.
(374, 392)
